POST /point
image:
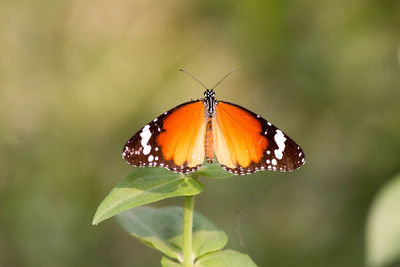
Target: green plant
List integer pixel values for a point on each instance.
(383, 226)
(185, 237)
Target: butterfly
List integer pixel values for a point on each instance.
(182, 138)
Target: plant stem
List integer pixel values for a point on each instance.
(187, 231)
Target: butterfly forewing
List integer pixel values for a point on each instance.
(174, 140)
(246, 143)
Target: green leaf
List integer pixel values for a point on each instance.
(166, 262)
(383, 226)
(144, 186)
(213, 170)
(161, 228)
(225, 258)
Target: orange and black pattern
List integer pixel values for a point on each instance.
(242, 142)
(246, 143)
(174, 140)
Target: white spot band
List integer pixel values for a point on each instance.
(280, 141)
(145, 135)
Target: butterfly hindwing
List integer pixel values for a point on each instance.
(246, 143)
(174, 140)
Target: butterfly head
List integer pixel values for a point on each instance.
(209, 93)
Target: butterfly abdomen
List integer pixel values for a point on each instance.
(209, 141)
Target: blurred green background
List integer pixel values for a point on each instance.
(78, 78)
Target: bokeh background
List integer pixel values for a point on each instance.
(78, 78)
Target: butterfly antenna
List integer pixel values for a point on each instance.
(229, 73)
(188, 73)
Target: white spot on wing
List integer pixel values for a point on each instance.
(145, 135)
(280, 141)
(278, 154)
(274, 162)
(155, 120)
(150, 158)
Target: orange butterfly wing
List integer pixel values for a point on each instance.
(245, 142)
(174, 140)
(182, 139)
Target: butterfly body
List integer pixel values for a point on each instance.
(182, 138)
